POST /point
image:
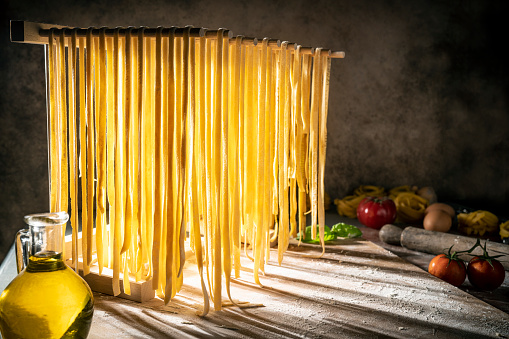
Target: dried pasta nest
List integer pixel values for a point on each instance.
(504, 230)
(347, 207)
(410, 207)
(394, 192)
(369, 190)
(477, 223)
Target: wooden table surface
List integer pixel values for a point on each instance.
(356, 290)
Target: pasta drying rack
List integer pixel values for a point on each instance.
(173, 126)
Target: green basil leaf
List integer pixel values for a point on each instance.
(343, 230)
(328, 235)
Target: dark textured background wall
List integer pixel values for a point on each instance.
(420, 99)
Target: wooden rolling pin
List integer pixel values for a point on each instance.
(421, 240)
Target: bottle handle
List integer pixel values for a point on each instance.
(22, 247)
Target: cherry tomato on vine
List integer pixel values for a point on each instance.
(485, 274)
(448, 268)
(374, 212)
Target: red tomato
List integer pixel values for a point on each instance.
(452, 271)
(484, 276)
(375, 212)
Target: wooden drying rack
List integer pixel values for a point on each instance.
(38, 33)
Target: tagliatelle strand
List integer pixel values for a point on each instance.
(101, 151)
(90, 163)
(313, 136)
(116, 258)
(322, 144)
(110, 150)
(73, 147)
(52, 124)
(62, 140)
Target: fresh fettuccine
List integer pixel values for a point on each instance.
(181, 135)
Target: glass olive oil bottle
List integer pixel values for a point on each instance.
(47, 299)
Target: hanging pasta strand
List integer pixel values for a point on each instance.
(199, 187)
(260, 152)
(128, 161)
(158, 193)
(209, 107)
(101, 151)
(164, 145)
(270, 160)
(188, 111)
(252, 148)
(282, 154)
(325, 64)
(303, 147)
(241, 145)
(110, 150)
(247, 124)
(299, 141)
(135, 141)
(266, 221)
(118, 222)
(146, 152)
(191, 205)
(62, 140)
(73, 147)
(224, 196)
(127, 130)
(233, 145)
(170, 201)
(90, 163)
(83, 154)
(295, 139)
(313, 139)
(180, 159)
(274, 108)
(52, 124)
(216, 168)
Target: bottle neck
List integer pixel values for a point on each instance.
(42, 244)
(45, 240)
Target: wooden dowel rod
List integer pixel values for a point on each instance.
(150, 32)
(249, 41)
(337, 55)
(325, 52)
(307, 50)
(212, 33)
(332, 54)
(274, 43)
(245, 40)
(292, 46)
(37, 33)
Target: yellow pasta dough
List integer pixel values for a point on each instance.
(185, 135)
